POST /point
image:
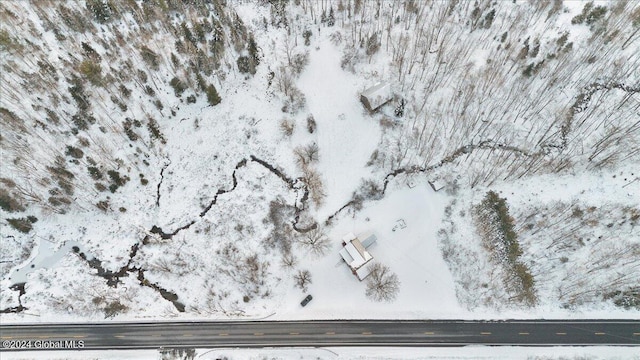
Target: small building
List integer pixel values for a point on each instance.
(354, 253)
(437, 185)
(376, 96)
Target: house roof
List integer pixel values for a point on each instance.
(356, 255)
(368, 239)
(377, 95)
(364, 270)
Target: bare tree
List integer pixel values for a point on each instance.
(316, 241)
(316, 187)
(303, 279)
(289, 260)
(382, 284)
(306, 155)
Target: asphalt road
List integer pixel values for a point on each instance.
(319, 333)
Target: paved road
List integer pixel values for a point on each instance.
(319, 333)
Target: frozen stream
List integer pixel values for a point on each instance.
(45, 256)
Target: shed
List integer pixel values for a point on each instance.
(437, 185)
(376, 96)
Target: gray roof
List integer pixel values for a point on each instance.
(377, 95)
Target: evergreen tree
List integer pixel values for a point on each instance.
(331, 20)
(212, 95)
(253, 51)
(100, 9)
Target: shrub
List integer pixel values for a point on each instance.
(154, 130)
(8, 203)
(299, 62)
(316, 186)
(287, 126)
(311, 124)
(627, 299)
(296, 101)
(74, 152)
(307, 37)
(82, 120)
(488, 19)
(124, 91)
(289, 260)
(23, 225)
(114, 308)
(150, 58)
(94, 172)
(303, 279)
(127, 129)
(100, 9)
(245, 65)
(103, 205)
(635, 22)
(142, 75)
(77, 93)
(178, 86)
(7, 42)
(149, 91)
(373, 44)
(58, 201)
(91, 71)
(305, 155)
(589, 15)
(116, 179)
(279, 215)
(369, 190)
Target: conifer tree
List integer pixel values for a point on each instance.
(212, 95)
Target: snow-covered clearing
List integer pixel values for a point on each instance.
(426, 286)
(346, 134)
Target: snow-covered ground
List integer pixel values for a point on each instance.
(426, 286)
(206, 263)
(361, 353)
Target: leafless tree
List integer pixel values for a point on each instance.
(289, 260)
(303, 279)
(382, 284)
(315, 185)
(306, 154)
(316, 241)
